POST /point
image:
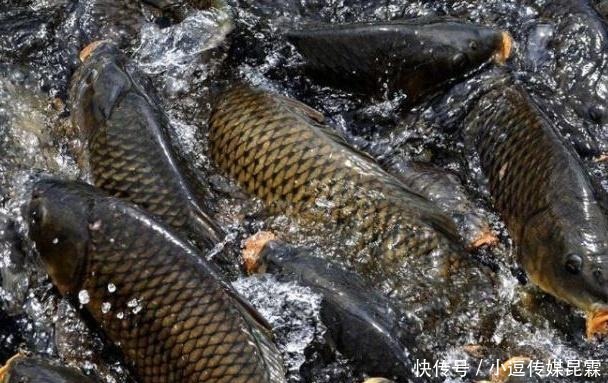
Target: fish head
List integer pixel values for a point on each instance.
(464, 47)
(21, 368)
(569, 262)
(98, 86)
(58, 221)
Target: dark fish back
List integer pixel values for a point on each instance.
(174, 318)
(40, 370)
(527, 165)
(131, 156)
(342, 62)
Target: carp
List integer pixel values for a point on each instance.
(445, 189)
(414, 56)
(279, 150)
(170, 312)
(129, 151)
(363, 323)
(21, 368)
(545, 197)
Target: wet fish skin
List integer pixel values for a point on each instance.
(186, 325)
(544, 195)
(40, 370)
(363, 323)
(416, 56)
(602, 8)
(129, 150)
(446, 190)
(279, 150)
(580, 43)
(116, 20)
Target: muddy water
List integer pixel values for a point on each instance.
(188, 61)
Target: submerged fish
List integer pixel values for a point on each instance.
(444, 189)
(172, 315)
(545, 197)
(602, 8)
(580, 68)
(129, 150)
(26, 369)
(361, 321)
(415, 56)
(279, 150)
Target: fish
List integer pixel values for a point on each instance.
(363, 323)
(280, 150)
(445, 189)
(579, 46)
(170, 312)
(414, 56)
(128, 145)
(602, 8)
(543, 193)
(21, 368)
(117, 20)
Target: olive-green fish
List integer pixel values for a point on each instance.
(445, 189)
(279, 150)
(169, 311)
(129, 150)
(33, 369)
(545, 197)
(416, 56)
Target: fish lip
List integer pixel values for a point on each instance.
(252, 250)
(506, 48)
(88, 50)
(596, 321)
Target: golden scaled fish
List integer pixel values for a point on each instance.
(546, 198)
(280, 150)
(169, 311)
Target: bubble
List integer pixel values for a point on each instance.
(83, 297)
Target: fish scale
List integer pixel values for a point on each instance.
(129, 151)
(539, 186)
(170, 313)
(299, 162)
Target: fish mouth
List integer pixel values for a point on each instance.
(87, 51)
(504, 51)
(597, 323)
(252, 249)
(4, 369)
(485, 238)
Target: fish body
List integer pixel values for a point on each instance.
(363, 323)
(170, 313)
(415, 56)
(129, 151)
(579, 67)
(602, 8)
(544, 195)
(21, 369)
(445, 189)
(279, 150)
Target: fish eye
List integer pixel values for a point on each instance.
(473, 45)
(459, 60)
(574, 263)
(596, 113)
